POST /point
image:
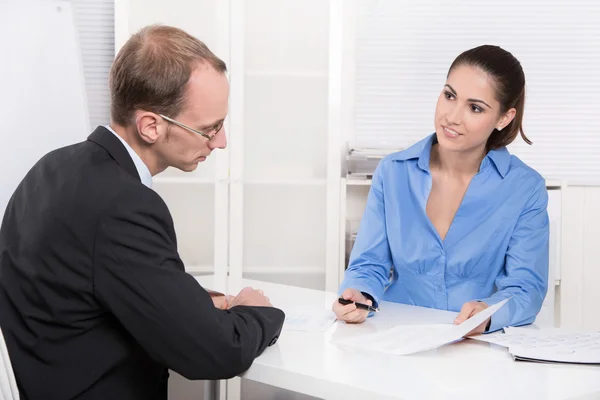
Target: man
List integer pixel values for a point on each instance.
(94, 300)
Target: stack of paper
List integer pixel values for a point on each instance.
(362, 162)
(409, 339)
(372, 152)
(548, 345)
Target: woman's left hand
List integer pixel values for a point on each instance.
(467, 311)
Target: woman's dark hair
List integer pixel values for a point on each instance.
(508, 78)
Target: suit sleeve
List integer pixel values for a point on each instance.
(140, 279)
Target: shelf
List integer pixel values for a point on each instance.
(276, 269)
(553, 183)
(284, 270)
(288, 74)
(358, 182)
(367, 182)
(290, 182)
(192, 180)
(182, 179)
(200, 269)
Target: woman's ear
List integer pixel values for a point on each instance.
(506, 119)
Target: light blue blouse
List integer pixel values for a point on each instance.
(496, 247)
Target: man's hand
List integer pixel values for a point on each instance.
(467, 311)
(349, 313)
(250, 297)
(222, 302)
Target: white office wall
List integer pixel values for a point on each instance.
(580, 261)
(42, 101)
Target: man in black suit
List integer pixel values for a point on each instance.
(94, 300)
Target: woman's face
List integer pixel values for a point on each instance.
(467, 111)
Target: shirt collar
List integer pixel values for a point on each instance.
(142, 169)
(500, 158)
(421, 151)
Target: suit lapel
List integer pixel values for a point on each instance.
(106, 139)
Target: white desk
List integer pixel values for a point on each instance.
(311, 363)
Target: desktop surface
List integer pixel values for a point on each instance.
(312, 363)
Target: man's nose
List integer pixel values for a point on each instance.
(219, 141)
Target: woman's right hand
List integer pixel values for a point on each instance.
(349, 313)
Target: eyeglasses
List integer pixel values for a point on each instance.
(208, 135)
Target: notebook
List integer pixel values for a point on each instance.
(548, 345)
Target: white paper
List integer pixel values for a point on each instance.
(516, 335)
(308, 320)
(399, 339)
(409, 339)
(549, 345)
(498, 338)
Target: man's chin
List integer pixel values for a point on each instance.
(192, 167)
(188, 167)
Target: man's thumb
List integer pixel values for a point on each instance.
(348, 294)
(228, 300)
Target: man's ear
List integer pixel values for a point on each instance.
(149, 126)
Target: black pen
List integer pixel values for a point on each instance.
(358, 305)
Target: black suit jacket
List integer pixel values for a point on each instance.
(94, 300)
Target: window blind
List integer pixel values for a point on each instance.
(404, 49)
(95, 24)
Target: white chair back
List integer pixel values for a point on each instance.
(8, 384)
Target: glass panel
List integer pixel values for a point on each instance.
(285, 141)
(192, 208)
(284, 233)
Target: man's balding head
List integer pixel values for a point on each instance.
(152, 71)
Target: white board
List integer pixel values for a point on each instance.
(42, 101)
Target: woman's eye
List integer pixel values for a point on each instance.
(476, 109)
(448, 95)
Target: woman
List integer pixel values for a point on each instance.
(459, 222)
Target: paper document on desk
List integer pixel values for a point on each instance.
(308, 320)
(409, 339)
(548, 345)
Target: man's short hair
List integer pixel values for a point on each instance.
(152, 70)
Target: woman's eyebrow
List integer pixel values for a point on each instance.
(471, 100)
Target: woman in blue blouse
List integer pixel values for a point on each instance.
(459, 222)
